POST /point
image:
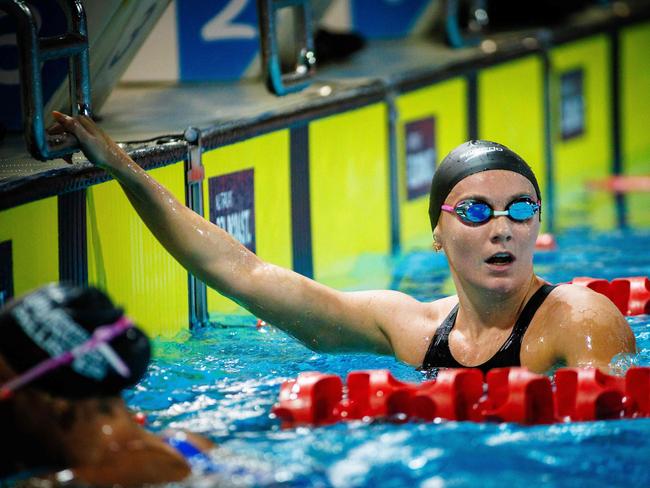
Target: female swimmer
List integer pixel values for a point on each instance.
(65, 355)
(485, 215)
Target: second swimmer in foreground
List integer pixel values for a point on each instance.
(485, 215)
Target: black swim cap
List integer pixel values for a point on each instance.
(469, 158)
(58, 317)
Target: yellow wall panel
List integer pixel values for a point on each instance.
(33, 231)
(635, 117)
(268, 155)
(349, 187)
(126, 260)
(511, 110)
(446, 103)
(587, 156)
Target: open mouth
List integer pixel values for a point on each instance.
(500, 258)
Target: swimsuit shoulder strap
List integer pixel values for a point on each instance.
(530, 309)
(509, 353)
(439, 355)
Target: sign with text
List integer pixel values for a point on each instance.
(421, 156)
(217, 40)
(572, 104)
(6, 273)
(232, 205)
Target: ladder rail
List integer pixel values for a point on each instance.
(33, 52)
(278, 82)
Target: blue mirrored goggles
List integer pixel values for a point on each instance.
(477, 212)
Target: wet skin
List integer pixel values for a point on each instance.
(574, 325)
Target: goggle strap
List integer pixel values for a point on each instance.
(98, 340)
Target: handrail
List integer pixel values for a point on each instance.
(33, 51)
(455, 35)
(276, 81)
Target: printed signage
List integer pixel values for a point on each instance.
(232, 205)
(218, 40)
(420, 157)
(572, 104)
(6, 273)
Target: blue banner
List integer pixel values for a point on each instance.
(386, 18)
(217, 40)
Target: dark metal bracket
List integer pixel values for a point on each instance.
(194, 176)
(33, 52)
(278, 82)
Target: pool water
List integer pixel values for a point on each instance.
(223, 381)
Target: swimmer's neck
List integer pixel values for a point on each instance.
(482, 310)
(108, 447)
(96, 426)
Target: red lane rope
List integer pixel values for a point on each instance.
(631, 295)
(504, 395)
(621, 184)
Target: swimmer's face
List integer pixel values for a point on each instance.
(497, 255)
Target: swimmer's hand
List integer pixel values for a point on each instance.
(100, 149)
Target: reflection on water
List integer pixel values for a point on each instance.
(222, 382)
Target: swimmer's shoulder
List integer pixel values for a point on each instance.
(570, 303)
(570, 317)
(410, 323)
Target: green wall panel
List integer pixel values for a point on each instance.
(635, 116)
(268, 157)
(446, 105)
(511, 111)
(126, 260)
(349, 187)
(585, 156)
(33, 231)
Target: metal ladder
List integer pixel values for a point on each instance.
(33, 52)
(276, 81)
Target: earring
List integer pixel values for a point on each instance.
(437, 247)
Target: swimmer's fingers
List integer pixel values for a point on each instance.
(72, 125)
(95, 144)
(55, 129)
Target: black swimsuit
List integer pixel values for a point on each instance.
(439, 355)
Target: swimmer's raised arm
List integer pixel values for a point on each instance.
(319, 316)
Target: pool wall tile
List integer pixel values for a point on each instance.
(445, 105)
(349, 187)
(635, 118)
(585, 155)
(32, 229)
(126, 260)
(268, 157)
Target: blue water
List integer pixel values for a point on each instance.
(223, 381)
